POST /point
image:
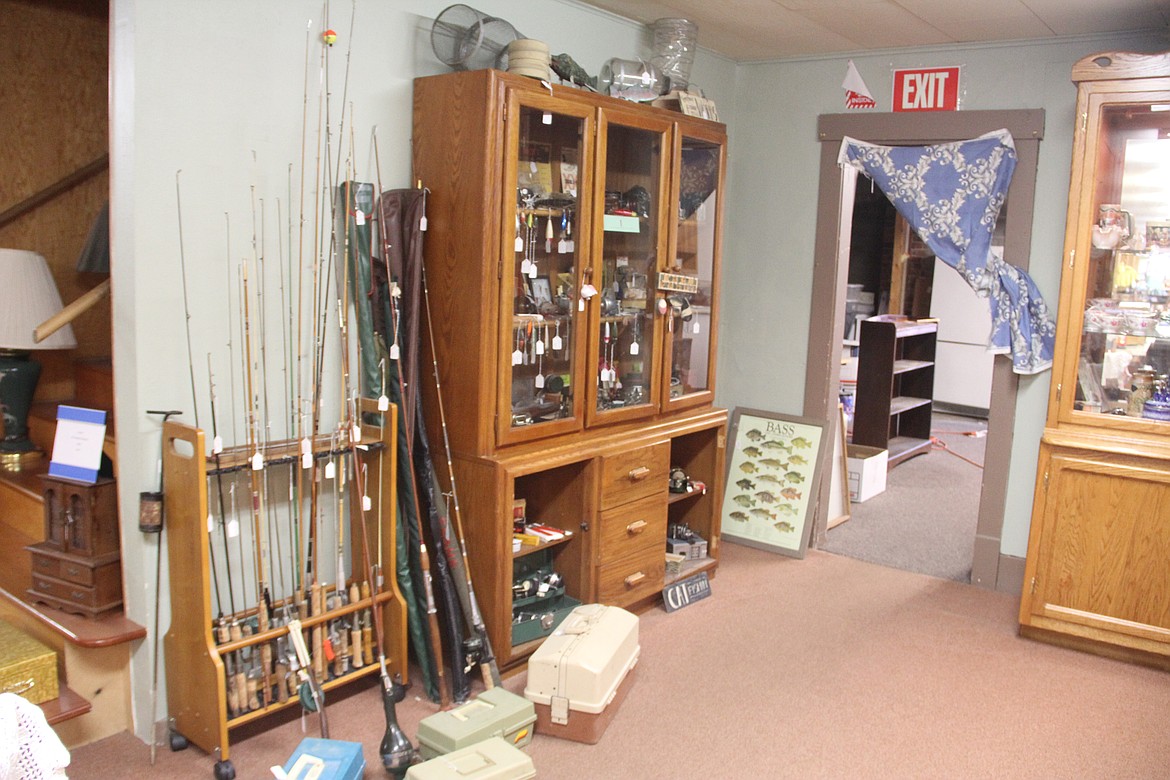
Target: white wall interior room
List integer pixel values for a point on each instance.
(208, 106)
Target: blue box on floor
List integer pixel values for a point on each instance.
(326, 759)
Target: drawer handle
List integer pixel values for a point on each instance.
(73, 570)
(636, 527)
(634, 579)
(639, 473)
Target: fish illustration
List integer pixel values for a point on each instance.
(797, 460)
(760, 512)
(746, 484)
(795, 477)
(747, 467)
(787, 509)
(752, 452)
(754, 434)
(740, 516)
(772, 463)
(801, 443)
(776, 445)
(744, 501)
(791, 493)
(784, 527)
(770, 478)
(766, 497)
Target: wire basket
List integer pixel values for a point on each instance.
(467, 39)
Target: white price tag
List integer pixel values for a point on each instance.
(517, 358)
(359, 218)
(634, 348)
(217, 445)
(422, 224)
(383, 403)
(540, 347)
(557, 343)
(257, 461)
(395, 353)
(233, 528)
(330, 470)
(696, 326)
(367, 503)
(306, 460)
(210, 523)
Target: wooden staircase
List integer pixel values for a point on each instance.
(93, 655)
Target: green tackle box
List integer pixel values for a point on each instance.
(492, 759)
(494, 713)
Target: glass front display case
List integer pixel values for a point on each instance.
(688, 283)
(632, 240)
(544, 245)
(1124, 356)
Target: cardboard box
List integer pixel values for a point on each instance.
(867, 471)
(27, 667)
(494, 713)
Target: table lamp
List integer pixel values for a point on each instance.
(28, 297)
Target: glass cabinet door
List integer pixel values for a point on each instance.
(541, 345)
(630, 234)
(688, 283)
(1124, 225)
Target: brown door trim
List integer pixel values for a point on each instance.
(830, 273)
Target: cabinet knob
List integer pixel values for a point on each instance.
(639, 473)
(636, 527)
(634, 579)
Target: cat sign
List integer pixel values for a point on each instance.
(926, 89)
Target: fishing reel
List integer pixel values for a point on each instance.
(473, 653)
(396, 750)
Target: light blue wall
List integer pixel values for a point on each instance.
(771, 213)
(207, 100)
(207, 107)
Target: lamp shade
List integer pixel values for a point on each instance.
(28, 297)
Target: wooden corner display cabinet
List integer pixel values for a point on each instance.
(572, 260)
(1098, 566)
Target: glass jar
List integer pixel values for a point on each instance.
(674, 50)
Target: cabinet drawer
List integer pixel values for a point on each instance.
(95, 596)
(634, 474)
(633, 528)
(632, 579)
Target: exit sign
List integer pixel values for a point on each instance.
(926, 89)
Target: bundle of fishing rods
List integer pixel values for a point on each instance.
(291, 615)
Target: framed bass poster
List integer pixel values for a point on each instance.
(773, 476)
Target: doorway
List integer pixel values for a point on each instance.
(830, 277)
(891, 271)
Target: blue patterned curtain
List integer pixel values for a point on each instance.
(951, 195)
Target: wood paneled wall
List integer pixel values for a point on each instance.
(54, 99)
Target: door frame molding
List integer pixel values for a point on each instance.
(831, 273)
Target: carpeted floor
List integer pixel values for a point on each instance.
(825, 667)
(925, 520)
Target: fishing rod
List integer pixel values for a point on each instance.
(148, 523)
(396, 356)
(191, 369)
(395, 749)
(257, 504)
(216, 449)
(491, 672)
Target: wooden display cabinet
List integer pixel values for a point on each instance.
(1098, 566)
(78, 567)
(196, 662)
(572, 247)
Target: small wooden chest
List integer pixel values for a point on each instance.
(27, 667)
